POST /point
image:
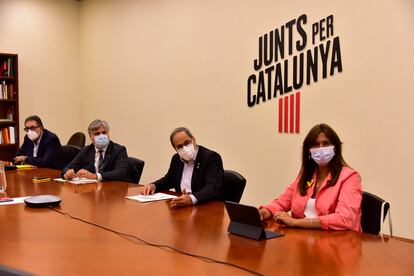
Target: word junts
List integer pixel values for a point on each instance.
(278, 76)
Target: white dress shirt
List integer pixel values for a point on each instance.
(97, 161)
(187, 176)
(36, 146)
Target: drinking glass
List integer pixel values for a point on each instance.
(3, 182)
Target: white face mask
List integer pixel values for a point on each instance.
(187, 152)
(32, 135)
(101, 141)
(322, 156)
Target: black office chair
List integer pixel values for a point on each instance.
(70, 152)
(8, 271)
(77, 139)
(374, 211)
(135, 167)
(233, 186)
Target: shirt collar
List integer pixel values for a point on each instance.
(103, 150)
(38, 140)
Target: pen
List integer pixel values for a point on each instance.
(41, 179)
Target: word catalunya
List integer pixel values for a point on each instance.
(285, 65)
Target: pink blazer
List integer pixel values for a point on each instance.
(338, 207)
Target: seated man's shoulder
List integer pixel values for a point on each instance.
(88, 148)
(208, 153)
(117, 146)
(50, 134)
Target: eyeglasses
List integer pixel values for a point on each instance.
(186, 143)
(32, 128)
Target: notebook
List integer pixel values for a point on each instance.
(245, 221)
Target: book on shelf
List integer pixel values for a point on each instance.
(6, 67)
(8, 135)
(5, 135)
(12, 134)
(6, 91)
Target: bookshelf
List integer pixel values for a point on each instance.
(9, 106)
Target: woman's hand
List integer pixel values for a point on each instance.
(285, 218)
(264, 214)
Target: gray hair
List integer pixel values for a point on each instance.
(180, 129)
(97, 124)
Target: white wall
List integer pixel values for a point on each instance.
(149, 66)
(156, 65)
(45, 35)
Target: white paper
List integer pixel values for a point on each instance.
(76, 180)
(16, 200)
(148, 198)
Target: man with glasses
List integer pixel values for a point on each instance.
(102, 160)
(40, 147)
(195, 171)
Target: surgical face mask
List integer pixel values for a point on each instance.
(187, 152)
(101, 141)
(32, 135)
(322, 156)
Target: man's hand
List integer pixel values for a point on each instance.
(19, 159)
(147, 189)
(69, 174)
(181, 201)
(86, 174)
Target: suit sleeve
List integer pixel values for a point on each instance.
(77, 163)
(53, 148)
(22, 149)
(284, 202)
(166, 182)
(119, 171)
(213, 180)
(348, 209)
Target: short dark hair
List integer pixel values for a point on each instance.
(180, 129)
(309, 166)
(36, 119)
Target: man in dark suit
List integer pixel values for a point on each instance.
(40, 147)
(103, 160)
(195, 171)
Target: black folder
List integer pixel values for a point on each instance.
(245, 221)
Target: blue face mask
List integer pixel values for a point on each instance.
(101, 141)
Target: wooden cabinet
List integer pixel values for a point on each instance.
(9, 106)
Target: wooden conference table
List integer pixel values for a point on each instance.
(44, 242)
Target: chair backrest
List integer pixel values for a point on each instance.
(135, 167)
(233, 186)
(374, 210)
(70, 152)
(77, 139)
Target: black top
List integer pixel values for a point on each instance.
(49, 153)
(114, 165)
(207, 179)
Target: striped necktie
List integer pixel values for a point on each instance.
(101, 159)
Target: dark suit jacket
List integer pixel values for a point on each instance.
(49, 154)
(114, 165)
(207, 179)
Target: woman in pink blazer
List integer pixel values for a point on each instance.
(326, 194)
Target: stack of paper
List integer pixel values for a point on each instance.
(154, 197)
